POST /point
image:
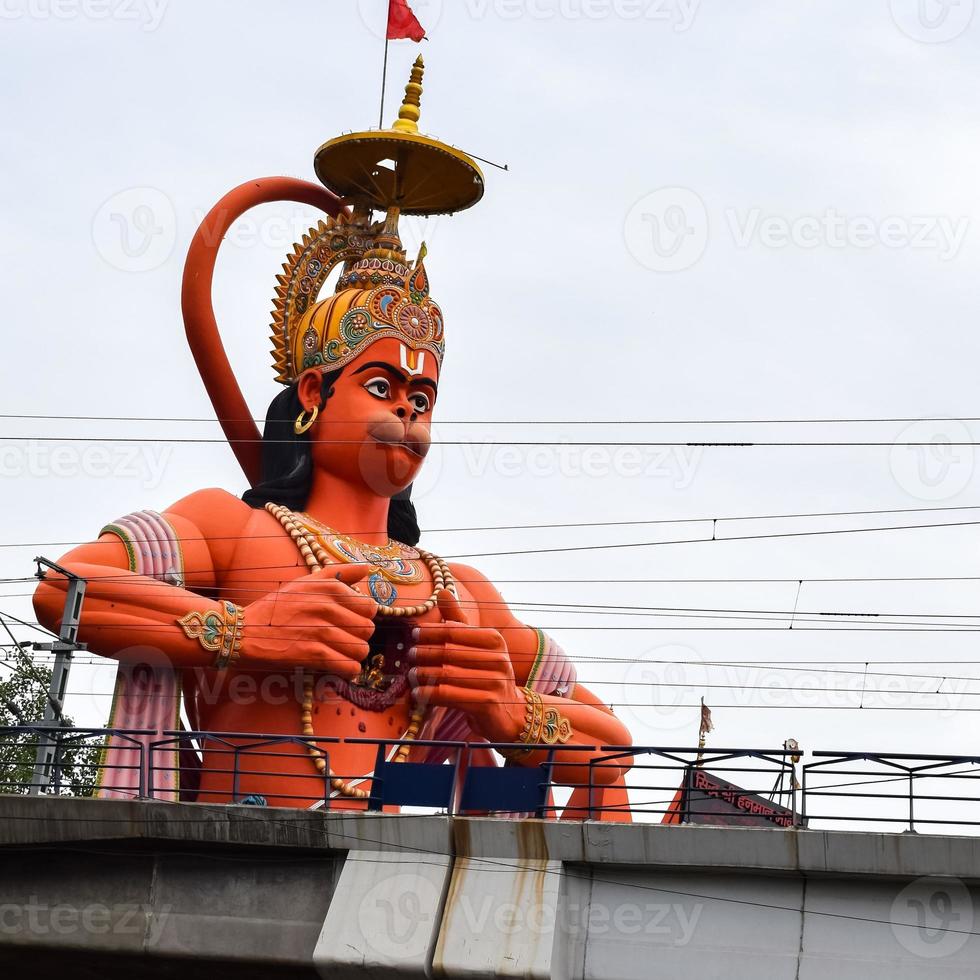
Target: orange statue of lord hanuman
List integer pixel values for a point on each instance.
(306, 608)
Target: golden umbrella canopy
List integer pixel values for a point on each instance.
(400, 167)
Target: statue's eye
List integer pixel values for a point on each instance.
(420, 402)
(379, 387)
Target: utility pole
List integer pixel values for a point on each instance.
(48, 751)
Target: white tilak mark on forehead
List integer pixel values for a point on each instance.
(413, 371)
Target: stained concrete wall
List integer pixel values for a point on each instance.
(106, 888)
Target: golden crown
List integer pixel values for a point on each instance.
(395, 171)
(378, 295)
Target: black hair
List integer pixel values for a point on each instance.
(287, 464)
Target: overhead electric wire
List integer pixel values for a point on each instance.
(614, 609)
(832, 626)
(568, 525)
(28, 625)
(590, 421)
(589, 681)
(781, 620)
(684, 686)
(639, 544)
(821, 667)
(500, 443)
(6, 628)
(244, 700)
(33, 675)
(711, 540)
(121, 575)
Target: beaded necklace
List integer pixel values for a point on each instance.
(316, 558)
(394, 561)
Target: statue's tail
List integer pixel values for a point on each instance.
(203, 336)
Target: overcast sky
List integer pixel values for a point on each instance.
(731, 209)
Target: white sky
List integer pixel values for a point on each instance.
(823, 156)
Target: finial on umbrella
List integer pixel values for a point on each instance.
(410, 111)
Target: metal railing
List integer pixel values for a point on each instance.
(890, 791)
(665, 782)
(75, 758)
(900, 790)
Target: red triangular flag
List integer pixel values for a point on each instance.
(402, 23)
(707, 725)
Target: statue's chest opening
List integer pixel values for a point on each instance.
(383, 679)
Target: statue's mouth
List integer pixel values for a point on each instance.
(384, 435)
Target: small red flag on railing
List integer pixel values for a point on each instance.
(402, 23)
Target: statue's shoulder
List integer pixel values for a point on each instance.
(212, 511)
(210, 525)
(473, 581)
(469, 576)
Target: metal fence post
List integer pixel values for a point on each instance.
(911, 802)
(591, 790)
(792, 788)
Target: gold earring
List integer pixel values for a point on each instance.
(302, 425)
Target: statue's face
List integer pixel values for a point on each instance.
(375, 429)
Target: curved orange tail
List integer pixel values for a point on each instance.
(199, 320)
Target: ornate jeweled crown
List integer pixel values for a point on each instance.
(395, 171)
(378, 295)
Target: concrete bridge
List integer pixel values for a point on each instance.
(106, 889)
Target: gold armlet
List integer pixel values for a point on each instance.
(543, 725)
(220, 633)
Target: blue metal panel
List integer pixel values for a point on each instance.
(412, 784)
(511, 789)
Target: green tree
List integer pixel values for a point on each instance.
(23, 696)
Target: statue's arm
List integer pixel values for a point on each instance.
(125, 613)
(502, 716)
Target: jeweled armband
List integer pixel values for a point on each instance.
(218, 632)
(543, 725)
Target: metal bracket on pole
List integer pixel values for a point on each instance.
(48, 747)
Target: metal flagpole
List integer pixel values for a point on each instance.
(384, 71)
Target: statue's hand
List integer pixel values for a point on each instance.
(467, 667)
(319, 622)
